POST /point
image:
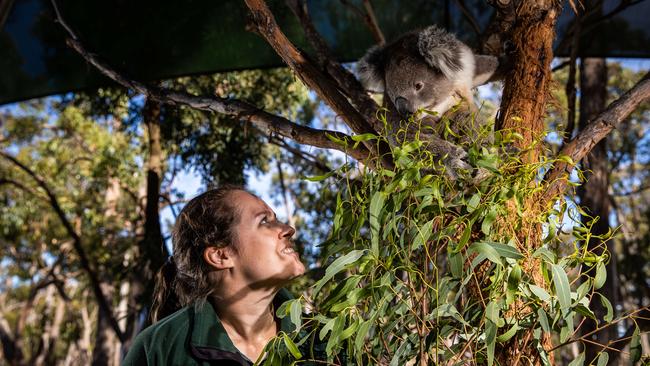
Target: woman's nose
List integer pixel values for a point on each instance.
(287, 231)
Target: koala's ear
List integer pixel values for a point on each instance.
(371, 69)
(441, 50)
(485, 67)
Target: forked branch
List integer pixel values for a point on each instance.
(264, 24)
(346, 82)
(597, 129)
(241, 110)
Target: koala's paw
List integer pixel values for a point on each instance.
(480, 175)
(456, 167)
(510, 150)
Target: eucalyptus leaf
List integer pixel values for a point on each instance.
(376, 207)
(578, 361)
(295, 312)
(456, 264)
(635, 346)
(337, 266)
(333, 341)
(609, 315)
(561, 285)
(326, 328)
(507, 251)
(319, 178)
(422, 235)
(293, 349)
(508, 334)
(543, 320)
(486, 226)
(514, 278)
(490, 340)
(473, 202)
(601, 275)
(487, 250)
(362, 334)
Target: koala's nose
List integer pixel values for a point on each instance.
(402, 106)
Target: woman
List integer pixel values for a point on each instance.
(231, 259)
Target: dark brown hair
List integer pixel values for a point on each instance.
(205, 221)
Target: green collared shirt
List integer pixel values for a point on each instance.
(192, 336)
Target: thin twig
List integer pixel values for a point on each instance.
(302, 155)
(592, 24)
(371, 22)
(470, 17)
(561, 66)
(585, 336)
(367, 15)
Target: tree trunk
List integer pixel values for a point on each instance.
(152, 252)
(105, 340)
(52, 331)
(526, 87)
(594, 195)
(523, 105)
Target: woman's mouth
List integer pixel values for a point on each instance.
(288, 250)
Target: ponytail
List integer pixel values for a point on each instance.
(206, 221)
(165, 300)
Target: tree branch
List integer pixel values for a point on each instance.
(264, 23)
(20, 186)
(304, 156)
(347, 83)
(597, 129)
(76, 241)
(624, 4)
(371, 22)
(368, 17)
(632, 192)
(239, 109)
(570, 88)
(470, 17)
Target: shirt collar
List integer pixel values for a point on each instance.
(209, 340)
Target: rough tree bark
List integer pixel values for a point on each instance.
(531, 31)
(526, 86)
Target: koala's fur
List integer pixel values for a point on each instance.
(428, 69)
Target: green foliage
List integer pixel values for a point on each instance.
(219, 147)
(426, 267)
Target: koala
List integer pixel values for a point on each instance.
(429, 69)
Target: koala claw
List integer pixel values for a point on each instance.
(480, 175)
(456, 167)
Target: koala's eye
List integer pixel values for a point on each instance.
(418, 86)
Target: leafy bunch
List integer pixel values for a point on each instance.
(431, 270)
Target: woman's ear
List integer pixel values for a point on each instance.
(218, 257)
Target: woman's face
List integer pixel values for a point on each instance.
(264, 253)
